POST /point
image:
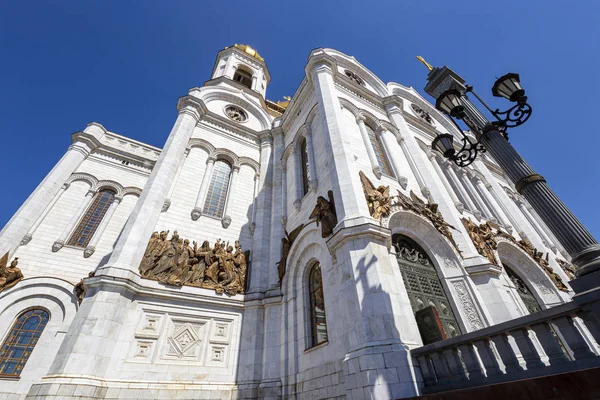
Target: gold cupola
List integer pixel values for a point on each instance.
(249, 50)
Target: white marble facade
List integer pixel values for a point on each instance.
(137, 338)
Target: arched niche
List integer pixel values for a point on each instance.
(540, 285)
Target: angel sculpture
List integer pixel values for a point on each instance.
(9, 275)
(286, 245)
(324, 213)
(378, 200)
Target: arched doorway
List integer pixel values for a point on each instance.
(525, 294)
(423, 285)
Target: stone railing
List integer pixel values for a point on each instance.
(548, 342)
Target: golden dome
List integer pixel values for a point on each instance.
(249, 50)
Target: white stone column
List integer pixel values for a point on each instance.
(60, 242)
(391, 146)
(91, 247)
(545, 239)
(226, 220)
(276, 211)
(31, 210)
(413, 167)
(132, 242)
(479, 192)
(197, 211)
(27, 238)
(434, 161)
(486, 191)
(369, 146)
(283, 193)
(471, 193)
(459, 186)
(254, 198)
(254, 80)
(298, 179)
(167, 202)
(312, 184)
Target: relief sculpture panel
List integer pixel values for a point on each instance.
(174, 262)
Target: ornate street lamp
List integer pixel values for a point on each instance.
(450, 91)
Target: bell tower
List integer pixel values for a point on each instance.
(243, 65)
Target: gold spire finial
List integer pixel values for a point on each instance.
(429, 67)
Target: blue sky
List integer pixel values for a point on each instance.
(125, 63)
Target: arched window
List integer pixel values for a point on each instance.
(318, 324)
(524, 293)
(91, 219)
(379, 152)
(424, 289)
(217, 191)
(21, 340)
(305, 166)
(243, 77)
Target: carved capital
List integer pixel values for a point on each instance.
(312, 186)
(283, 221)
(57, 245)
(226, 221)
(166, 205)
(403, 181)
(89, 251)
(297, 204)
(377, 171)
(360, 118)
(65, 185)
(477, 214)
(196, 213)
(26, 239)
(460, 207)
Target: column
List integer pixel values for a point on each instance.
(434, 161)
(478, 195)
(60, 242)
(459, 186)
(31, 210)
(254, 80)
(197, 211)
(226, 221)
(413, 166)
(283, 193)
(471, 193)
(27, 238)
(390, 144)
(360, 120)
(545, 239)
(254, 197)
(276, 211)
(311, 162)
(298, 180)
(91, 247)
(167, 202)
(485, 190)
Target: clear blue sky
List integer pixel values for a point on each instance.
(125, 63)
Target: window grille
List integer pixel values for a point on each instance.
(91, 219)
(21, 341)
(317, 307)
(305, 167)
(217, 191)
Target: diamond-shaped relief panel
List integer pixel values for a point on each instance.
(184, 341)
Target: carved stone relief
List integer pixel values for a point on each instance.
(174, 262)
(424, 115)
(568, 268)
(378, 199)
(468, 305)
(486, 242)
(10, 275)
(324, 213)
(80, 289)
(236, 113)
(286, 245)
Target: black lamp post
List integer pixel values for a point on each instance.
(450, 92)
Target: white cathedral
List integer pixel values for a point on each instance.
(292, 249)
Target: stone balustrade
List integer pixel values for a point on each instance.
(549, 342)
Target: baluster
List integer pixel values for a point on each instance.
(488, 357)
(441, 368)
(471, 362)
(457, 372)
(427, 370)
(574, 340)
(527, 348)
(507, 354)
(550, 344)
(591, 322)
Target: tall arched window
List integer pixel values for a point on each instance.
(318, 324)
(524, 293)
(91, 219)
(21, 340)
(243, 77)
(305, 166)
(379, 152)
(217, 191)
